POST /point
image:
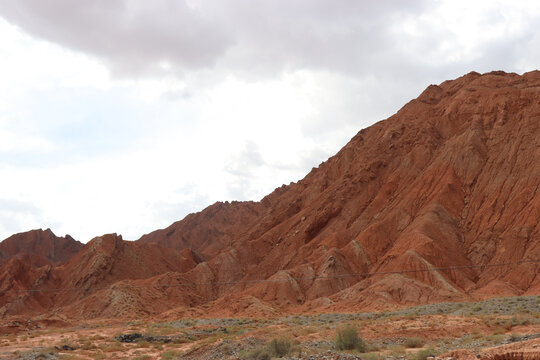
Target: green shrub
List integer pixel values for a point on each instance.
(280, 347)
(424, 354)
(170, 354)
(414, 342)
(347, 339)
(261, 353)
(477, 308)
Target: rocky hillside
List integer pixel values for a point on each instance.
(451, 180)
(92, 283)
(439, 202)
(210, 230)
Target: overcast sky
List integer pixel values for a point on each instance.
(125, 115)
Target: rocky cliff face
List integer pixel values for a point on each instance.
(423, 207)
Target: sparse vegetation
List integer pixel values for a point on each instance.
(98, 356)
(277, 347)
(112, 347)
(396, 350)
(424, 354)
(142, 357)
(170, 354)
(347, 339)
(260, 353)
(414, 342)
(280, 347)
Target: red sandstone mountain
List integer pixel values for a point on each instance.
(445, 190)
(39, 247)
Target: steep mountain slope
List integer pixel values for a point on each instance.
(39, 247)
(439, 202)
(451, 180)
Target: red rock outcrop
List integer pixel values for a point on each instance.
(439, 202)
(39, 247)
(99, 280)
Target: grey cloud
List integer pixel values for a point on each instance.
(505, 54)
(244, 163)
(247, 166)
(131, 36)
(244, 169)
(166, 212)
(249, 37)
(338, 36)
(255, 39)
(239, 189)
